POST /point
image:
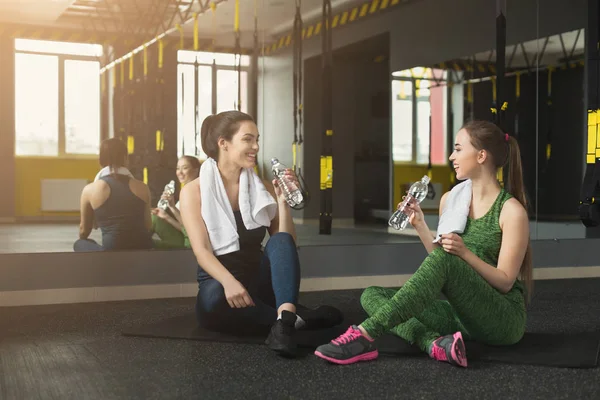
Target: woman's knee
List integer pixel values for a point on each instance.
(280, 239)
(367, 296)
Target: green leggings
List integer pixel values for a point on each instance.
(170, 237)
(476, 309)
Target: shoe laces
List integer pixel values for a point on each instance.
(350, 335)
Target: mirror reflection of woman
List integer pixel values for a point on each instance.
(167, 224)
(115, 202)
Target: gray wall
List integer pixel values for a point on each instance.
(7, 129)
(423, 32)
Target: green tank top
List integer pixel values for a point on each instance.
(483, 235)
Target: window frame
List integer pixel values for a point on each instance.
(214, 84)
(415, 101)
(62, 154)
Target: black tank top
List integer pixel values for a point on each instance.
(121, 217)
(244, 263)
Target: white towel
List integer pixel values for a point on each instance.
(456, 210)
(106, 171)
(257, 206)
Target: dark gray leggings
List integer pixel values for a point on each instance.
(277, 283)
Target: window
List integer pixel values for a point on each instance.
(195, 93)
(36, 105)
(418, 102)
(57, 98)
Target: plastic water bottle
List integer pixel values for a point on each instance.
(169, 190)
(293, 194)
(416, 193)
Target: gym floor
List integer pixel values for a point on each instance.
(44, 238)
(77, 351)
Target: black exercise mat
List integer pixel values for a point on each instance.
(574, 350)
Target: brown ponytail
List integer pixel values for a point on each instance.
(504, 150)
(516, 187)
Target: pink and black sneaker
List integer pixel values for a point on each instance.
(450, 348)
(349, 348)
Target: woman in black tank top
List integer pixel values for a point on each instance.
(249, 288)
(123, 217)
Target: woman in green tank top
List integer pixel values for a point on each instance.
(485, 273)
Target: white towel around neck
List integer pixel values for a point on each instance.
(107, 171)
(456, 210)
(257, 206)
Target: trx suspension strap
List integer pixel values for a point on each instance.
(450, 127)
(238, 55)
(160, 116)
(498, 82)
(213, 103)
(297, 81)
(298, 103)
(517, 98)
(130, 108)
(430, 189)
(589, 212)
(197, 122)
(325, 218)
(144, 106)
(549, 117)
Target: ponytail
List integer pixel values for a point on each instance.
(516, 187)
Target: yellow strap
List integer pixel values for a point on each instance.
(548, 151)
(593, 132)
(518, 81)
(236, 21)
(323, 170)
(145, 175)
(161, 50)
(122, 75)
(493, 88)
(130, 144)
(160, 143)
(196, 31)
(470, 92)
(329, 175)
(145, 61)
(402, 93)
(131, 68)
(294, 153)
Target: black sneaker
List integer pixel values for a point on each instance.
(349, 348)
(281, 338)
(322, 317)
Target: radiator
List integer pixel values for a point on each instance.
(61, 194)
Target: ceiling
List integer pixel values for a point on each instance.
(152, 17)
(553, 53)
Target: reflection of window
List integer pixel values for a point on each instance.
(82, 107)
(36, 105)
(57, 98)
(417, 99)
(225, 88)
(402, 120)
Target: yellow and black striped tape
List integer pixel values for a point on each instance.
(593, 143)
(343, 18)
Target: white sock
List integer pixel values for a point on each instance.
(299, 321)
